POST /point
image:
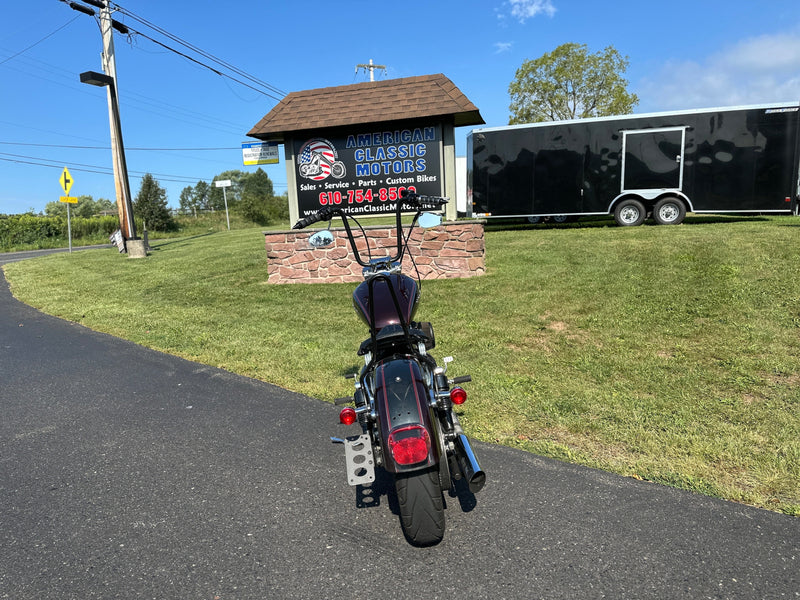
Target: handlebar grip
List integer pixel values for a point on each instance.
(462, 379)
(417, 199)
(321, 215)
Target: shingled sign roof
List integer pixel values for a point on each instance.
(363, 103)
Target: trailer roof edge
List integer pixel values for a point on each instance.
(668, 113)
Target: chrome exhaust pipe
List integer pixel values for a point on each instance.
(470, 468)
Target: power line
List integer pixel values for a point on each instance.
(202, 52)
(202, 64)
(264, 88)
(109, 147)
(46, 162)
(39, 42)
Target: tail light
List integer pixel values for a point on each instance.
(347, 416)
(410, 445)
(458, 395)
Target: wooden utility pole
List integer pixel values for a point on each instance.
(121, 183)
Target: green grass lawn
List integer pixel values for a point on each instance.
(670, 354)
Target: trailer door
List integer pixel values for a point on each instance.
(652, 159)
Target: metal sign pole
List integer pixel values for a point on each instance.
(69, 228)
(225, 197)
(224, 183)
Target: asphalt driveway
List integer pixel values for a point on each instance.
(127, 473)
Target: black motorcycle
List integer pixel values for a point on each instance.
(403, 400)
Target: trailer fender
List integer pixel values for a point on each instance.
(650, 197)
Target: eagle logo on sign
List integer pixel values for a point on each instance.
(318, 159)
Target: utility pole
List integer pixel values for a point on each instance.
(121, 183)
(371, 68)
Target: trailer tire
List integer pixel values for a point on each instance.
(534, 219)
(629, 213)
(669, 211)
(560, 219)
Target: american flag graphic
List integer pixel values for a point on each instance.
(316, 158)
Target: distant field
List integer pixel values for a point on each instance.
(670, 354)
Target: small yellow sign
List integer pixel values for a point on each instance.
(70, 199)
(66, 181)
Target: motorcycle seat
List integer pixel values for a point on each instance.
(392, 335)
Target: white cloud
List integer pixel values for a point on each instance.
(522, 10)
(762, 69)
(500, 47)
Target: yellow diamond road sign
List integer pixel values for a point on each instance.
(66, 181)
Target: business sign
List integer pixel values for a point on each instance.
(366, 172)
(259, 153)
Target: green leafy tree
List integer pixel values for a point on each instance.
(86, 207)
(257, 198)
(570, 83)
(216, 200)
(201, 191)
(150, 205)
(187, 202)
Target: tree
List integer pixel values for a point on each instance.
(216, 200)
(150, 205)
(570, 83)
(258, 197)
(85, 207)
(187, 202)
(201, 190)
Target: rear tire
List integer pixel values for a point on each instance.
(669, 211)
(419, 496)
(630, 213)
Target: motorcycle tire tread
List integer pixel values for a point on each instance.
(419, 496)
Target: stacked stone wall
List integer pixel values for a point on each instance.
(451, 250)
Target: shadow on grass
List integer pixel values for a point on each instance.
(158, 244)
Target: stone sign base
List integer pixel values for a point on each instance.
(453, 249)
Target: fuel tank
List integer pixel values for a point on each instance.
(385, 312)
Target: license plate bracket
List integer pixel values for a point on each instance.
(359, 459)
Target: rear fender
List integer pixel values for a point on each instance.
(402, 402)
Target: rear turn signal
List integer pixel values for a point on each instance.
(347, 416)
(458, 395)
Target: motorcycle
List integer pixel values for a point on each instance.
(403, 399)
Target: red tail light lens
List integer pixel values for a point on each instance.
(347, 416)
(458, 395)
(409, 445)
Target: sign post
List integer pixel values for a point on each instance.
(224, 183)
(66, 182)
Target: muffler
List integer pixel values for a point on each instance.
(470, 468)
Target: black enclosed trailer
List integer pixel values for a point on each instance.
(721, 160)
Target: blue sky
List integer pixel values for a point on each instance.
(682, 55)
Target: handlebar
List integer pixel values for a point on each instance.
(408, 199)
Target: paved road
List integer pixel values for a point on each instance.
(7, 257)
(126, 473)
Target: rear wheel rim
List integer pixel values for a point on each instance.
(629, 214)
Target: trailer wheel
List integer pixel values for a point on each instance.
(560, 219)
(629, 212)
(534, 219)
(669, 211)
